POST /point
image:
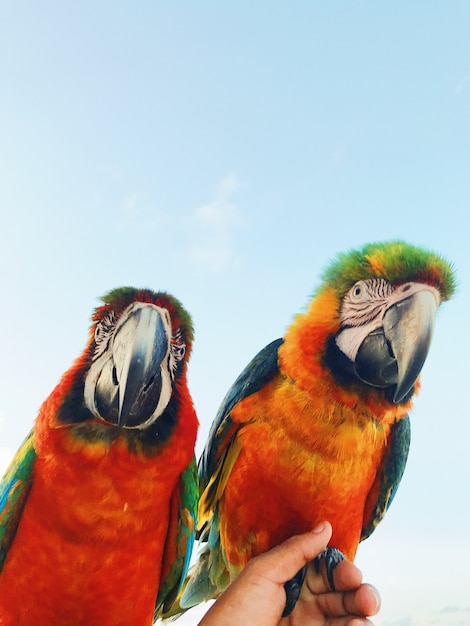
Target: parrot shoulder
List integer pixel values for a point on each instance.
(14, 490)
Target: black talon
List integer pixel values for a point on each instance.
(293, 587)
(331, 556)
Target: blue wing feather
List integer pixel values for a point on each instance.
(390, 475)
(215, 465)
(14, 489)
(180, 538)
(255, 375)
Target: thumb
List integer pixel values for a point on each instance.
(286, 559)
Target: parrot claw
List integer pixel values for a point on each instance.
(293, 587)
(331, 556)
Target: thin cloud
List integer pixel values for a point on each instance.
(131, 206)
(450, 609)
(462, 85)
(211, 228)
(208, 229)
(138, 214)
(447, 616)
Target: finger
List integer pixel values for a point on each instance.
(363, 602)
(347, 576)
(285, 560)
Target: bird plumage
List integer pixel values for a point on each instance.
(98, 508)
(316, 427)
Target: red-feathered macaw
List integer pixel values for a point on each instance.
(98, 508)
(316, 427)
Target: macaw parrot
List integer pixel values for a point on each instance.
(316, 427)
(98, 507)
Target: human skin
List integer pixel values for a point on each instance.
(257, 596)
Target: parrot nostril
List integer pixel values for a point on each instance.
(114, 377)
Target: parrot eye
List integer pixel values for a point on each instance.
(358, 292)
(102, 331)
(177, 351)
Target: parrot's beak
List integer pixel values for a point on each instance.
(394, 354)
(131, 381)
(140, 347)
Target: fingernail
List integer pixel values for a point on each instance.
(319, 528)
(378, 600)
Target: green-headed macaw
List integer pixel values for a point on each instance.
(98, 508)
(316, 427)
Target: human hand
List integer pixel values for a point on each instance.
(257, 596)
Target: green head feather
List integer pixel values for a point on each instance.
(395, 261)
(123, 296)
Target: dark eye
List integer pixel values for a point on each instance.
(103, 328)
(98, 332)
(358, 292)
(178, 351)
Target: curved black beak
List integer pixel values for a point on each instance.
(129, 387)
(395, 353)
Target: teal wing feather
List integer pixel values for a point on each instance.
(14, 489)
(209, 576)
(390, 475)
(180, 538)
(255, 375)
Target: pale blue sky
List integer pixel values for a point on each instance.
(225, 152)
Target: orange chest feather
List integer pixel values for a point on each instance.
(90, 542)
(99, 496)
(311, 460)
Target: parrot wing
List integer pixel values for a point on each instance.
(180, 538)
(222, 448)
(215, 466)
(14, 489)
(388, 478)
